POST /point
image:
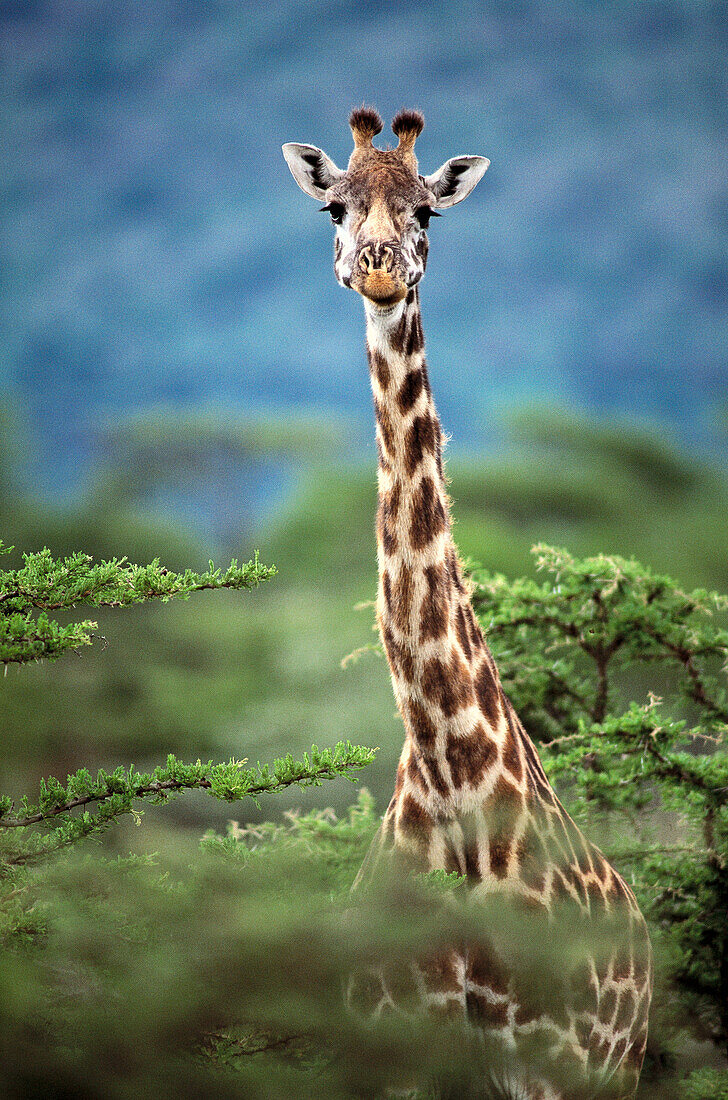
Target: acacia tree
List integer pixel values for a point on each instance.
(104, 927)
(30, 597)
(583, 655)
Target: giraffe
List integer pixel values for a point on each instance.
(470, 794)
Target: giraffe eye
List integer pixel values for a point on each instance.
(423, 215)
(336, 210)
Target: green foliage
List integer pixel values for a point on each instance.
(45, 584)
(156, 439)
(595, 485)
(573, 651)
(634, 449)
(220, 971)
(117, 793)
(706, 1084)
(107, 925)
(267, 675)
(337, 844)
(598, 613)
(119, 943)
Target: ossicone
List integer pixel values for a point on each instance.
(407, 126)
(365, 124)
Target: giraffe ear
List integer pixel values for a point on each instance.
(312, 170)
(455, 180)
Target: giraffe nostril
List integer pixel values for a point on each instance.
(378, 257)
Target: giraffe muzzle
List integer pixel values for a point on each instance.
(376, 257)
(377, 274)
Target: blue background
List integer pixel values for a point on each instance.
(157, 253)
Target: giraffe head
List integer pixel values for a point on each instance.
(381, 206)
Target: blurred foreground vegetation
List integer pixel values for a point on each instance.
(192, 954)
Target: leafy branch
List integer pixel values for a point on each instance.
(594, 612)
(117, 792)
(46, 584)
(569, 650)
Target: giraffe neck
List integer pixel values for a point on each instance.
(444, 678)
(471, 794)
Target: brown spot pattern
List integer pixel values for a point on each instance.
(387, 590)
(484, 1012)
(619, 1048)
(476, 634)
(435, 609)
(398, 333)
(440, 973)
(415, 774)
(403, 594)
(637, 1051)
(436, 777)
(415, 336)
(584, 990)
(387, 512)
(413, 819)
(385, 427)
(640, 961)
(532, 859)
(421, 727)
(487, 968)
(626, 1010)
(532, 757)
(470, 757)
(502, 810)
(449, 686)
(488, 695)
(596, 896)
(539, 998)
(504, 805)
(379, 368)
(451, 862)
(500, 851)
(421, 439)
(410, 390)
(453, 566)
(462, 633)
(511, 755)
(607, 1006)
(427, 517)
(472, 861)
(400, 658)
(622, 965)
(381, 459)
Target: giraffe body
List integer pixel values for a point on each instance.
(470, 794)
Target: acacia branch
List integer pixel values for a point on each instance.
(698, 691)
(229, 782)
(169, 785)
